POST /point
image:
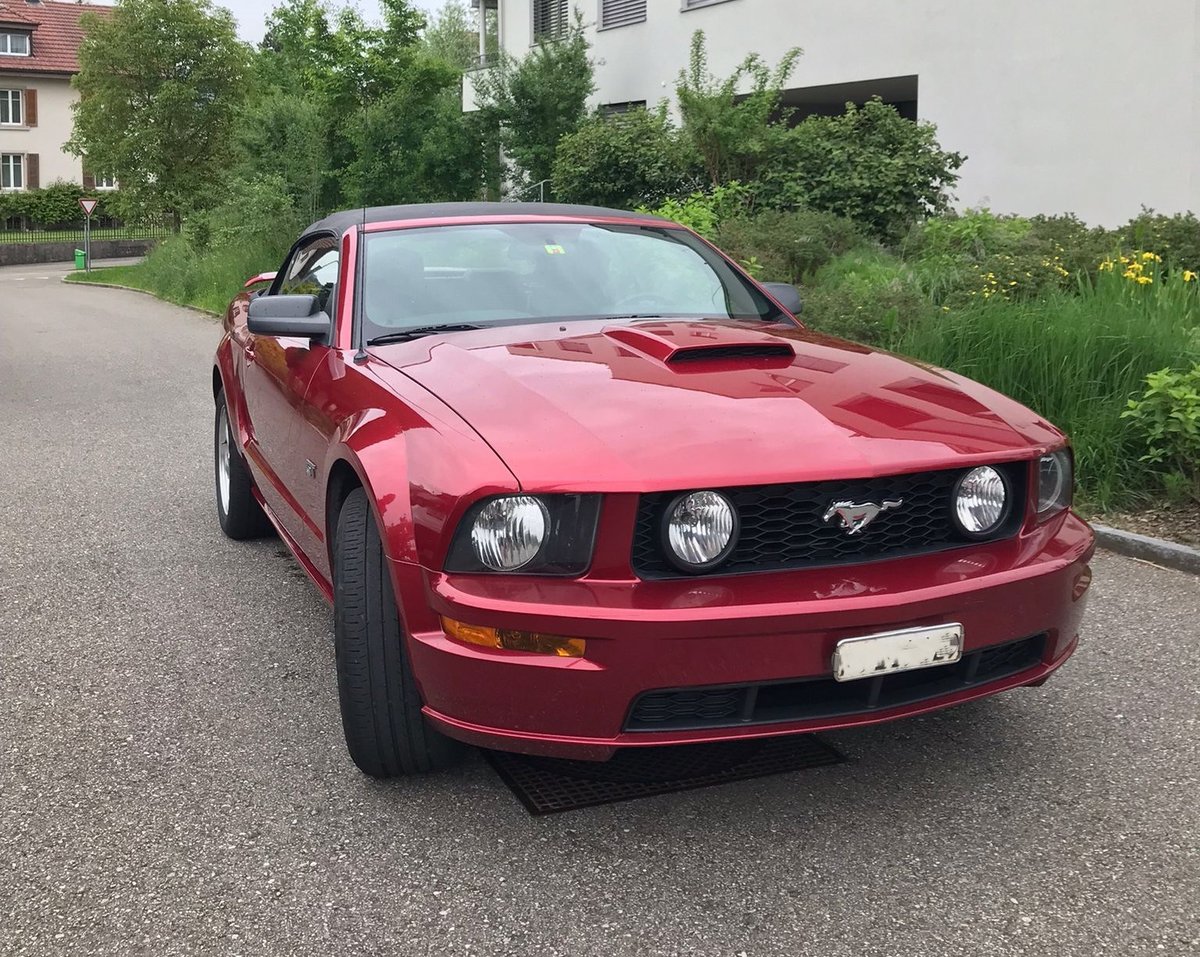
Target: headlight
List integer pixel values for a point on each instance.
(981, 501)
(1055, 483)
(701, 530)
(531, 534)
(509, 532)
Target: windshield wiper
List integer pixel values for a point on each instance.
(415, 332)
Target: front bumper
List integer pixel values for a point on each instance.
(760, 630)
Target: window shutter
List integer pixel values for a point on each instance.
(30, 107)
(621, 13)
(32, 180)
(89, 178)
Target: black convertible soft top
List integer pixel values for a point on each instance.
(339, 222)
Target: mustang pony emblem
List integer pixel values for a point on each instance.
(856, 516)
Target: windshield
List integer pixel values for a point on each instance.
(531, 272)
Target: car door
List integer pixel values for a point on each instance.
(277, 372)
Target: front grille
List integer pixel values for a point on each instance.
(728, 706)
(782, 526)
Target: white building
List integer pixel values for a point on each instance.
(39, 46)
(1086, 106)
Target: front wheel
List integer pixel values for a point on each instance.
(386, 733)
(238, 511)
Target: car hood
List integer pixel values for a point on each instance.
(653, 406)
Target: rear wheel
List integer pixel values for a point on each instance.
(386, 733)
(238, 511)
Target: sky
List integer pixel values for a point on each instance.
(251, 14)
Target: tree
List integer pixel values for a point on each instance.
(869, 164)
(287, 136)
(453, 38)
(414, 144)
(160, 84)
(625, 160)
(736, 133)
(536, 101)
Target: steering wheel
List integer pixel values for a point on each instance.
(642, 302)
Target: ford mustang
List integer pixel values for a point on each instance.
(574, 482)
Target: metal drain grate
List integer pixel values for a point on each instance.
(551, 785)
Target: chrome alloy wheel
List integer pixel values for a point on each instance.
(223, 458)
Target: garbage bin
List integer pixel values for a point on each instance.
(80, 261)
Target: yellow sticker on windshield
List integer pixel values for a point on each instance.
(554, 249)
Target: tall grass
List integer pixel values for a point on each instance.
(1076, 360)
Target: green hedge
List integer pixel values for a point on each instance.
(55, 206)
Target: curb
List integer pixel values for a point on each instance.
(145, 292)
(1182, 558)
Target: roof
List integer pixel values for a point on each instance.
(339, 222)
(57, 34)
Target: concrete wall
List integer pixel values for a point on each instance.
(20, 254)
(55, 121)
(1075, 105)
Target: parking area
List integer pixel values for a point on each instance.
(173, 778)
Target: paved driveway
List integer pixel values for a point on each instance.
(173, 780)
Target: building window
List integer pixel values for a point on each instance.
(14, 44)
(549, 19)
(11, 108)
(105, 181)
(621, 13)
(12, 171)
(616, 109)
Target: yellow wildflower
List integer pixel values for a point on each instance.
(1189, 276)
(1144, 280)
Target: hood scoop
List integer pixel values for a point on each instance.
(694, 343)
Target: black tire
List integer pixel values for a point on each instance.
(241, 517)
(386, 733)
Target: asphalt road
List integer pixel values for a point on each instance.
(173, 779)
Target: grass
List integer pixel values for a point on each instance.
(206, 280)
(1076, 359)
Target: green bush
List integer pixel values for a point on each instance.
(788, 246)
(1080, 247)
(53, 206)
(625, 160)
(1175, 238)
(703, 211)
(1167, 417)
(865, 295)
(869, 164)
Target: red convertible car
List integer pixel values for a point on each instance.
(574, 482)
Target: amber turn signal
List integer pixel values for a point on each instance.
(512, 640)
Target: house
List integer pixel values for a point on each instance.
(1076, 105)
(39, 52)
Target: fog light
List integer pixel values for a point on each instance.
(512, 640)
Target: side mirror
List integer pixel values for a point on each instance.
(260, 278)
(299, 316)
(786, 295)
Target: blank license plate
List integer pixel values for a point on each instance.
(892, 651)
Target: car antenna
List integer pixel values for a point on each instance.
(359, 255)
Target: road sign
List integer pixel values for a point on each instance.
(89, 206)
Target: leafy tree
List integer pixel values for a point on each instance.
(625, 160)
(869, 164)
(287, 136)
(736, 133)
(160, 83)
(453, 38)
(413, 144)
(536, 101)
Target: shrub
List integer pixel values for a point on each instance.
(1080, 247)
(625, 160)
(1176, 238)
(1167, 417)
(788, 246)
(703, 211)
(867, 296)
(869, 164)
(52, 206)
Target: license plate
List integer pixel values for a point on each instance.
(892, 651)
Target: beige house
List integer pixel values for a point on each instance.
(39, 47)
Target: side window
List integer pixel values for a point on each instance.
(313, 271)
